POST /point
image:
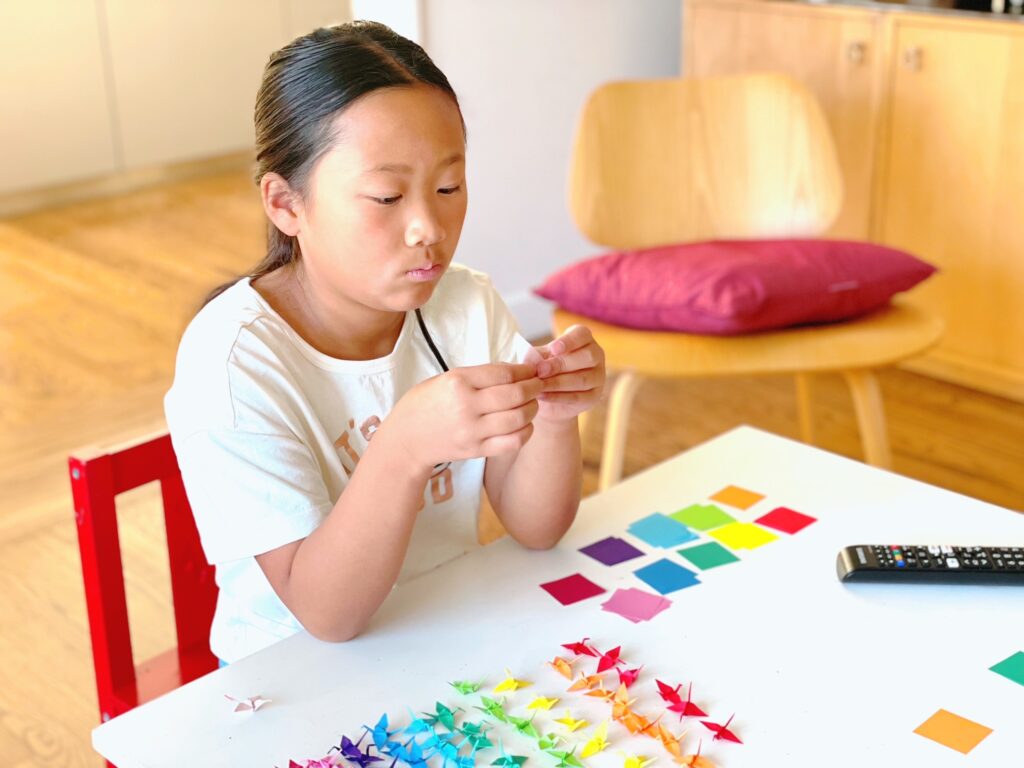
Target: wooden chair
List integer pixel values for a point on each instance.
(96, 480)
(670, 161)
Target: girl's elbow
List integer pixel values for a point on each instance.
(334, 633)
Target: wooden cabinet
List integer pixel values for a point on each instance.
(91, 88)
(928, 114)
(952, 187)
(836, 54)
(55, 120)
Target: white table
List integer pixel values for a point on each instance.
(818, 673)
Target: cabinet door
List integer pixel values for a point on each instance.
(55, 119)
(836, 55)
(954, 186)
(186, 74)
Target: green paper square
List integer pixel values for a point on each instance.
(1012, 668)
(707, 556)
(702, 517)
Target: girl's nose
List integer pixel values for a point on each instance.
(424, 229)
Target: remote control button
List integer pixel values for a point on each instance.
(933, 550)
(946, 550)
(952, 562)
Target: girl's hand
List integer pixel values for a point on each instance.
(466, 413)
(572, 369)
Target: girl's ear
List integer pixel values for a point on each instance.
(281, 203)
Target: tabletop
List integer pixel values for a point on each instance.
(811, 671)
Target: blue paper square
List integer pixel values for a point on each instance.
(660, 530)
(666, 576)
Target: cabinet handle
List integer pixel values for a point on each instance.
(913, 58)
(856, 52)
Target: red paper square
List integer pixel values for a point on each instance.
(572, 589)
(786, 520)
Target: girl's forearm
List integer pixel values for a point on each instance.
(541, 489)
(343, 571)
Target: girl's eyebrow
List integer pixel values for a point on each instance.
(400, 168)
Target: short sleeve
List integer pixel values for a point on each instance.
(507, 344)
(251, 493)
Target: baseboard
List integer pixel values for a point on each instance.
(532, 313)
(968, 373)
(16, 203)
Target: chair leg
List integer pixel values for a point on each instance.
(616, 427)
(803, 407)
(867, 402)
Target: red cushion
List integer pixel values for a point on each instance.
(735, 286)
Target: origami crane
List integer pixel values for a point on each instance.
(465, 688)
(676, 704)
(636, 761)
(566, 759)
(587, 682)
(542, 703)
(548, 741)
(598, 741)
(510, 683)
(695, 760)
(325, 762)
(621, 702)
(505, 760)
(628, 676)
(722, 731)
(562, 667)
(350, 750)
(570, 723)
(382, 736)
(581, 648)
(417, 725)
(250, 704)
(524, 726)
(609, 660)
(442, 715)
(495, 709)
(475, 735)
(669, 741)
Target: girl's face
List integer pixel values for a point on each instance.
(385, 206)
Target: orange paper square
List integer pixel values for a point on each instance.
(737, 497)
(953, 731)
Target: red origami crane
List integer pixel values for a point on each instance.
(581, 648)
(675, 701)
(609, 660)
(722, 731)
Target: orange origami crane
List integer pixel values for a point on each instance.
(561, 666)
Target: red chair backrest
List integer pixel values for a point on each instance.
(96, 481)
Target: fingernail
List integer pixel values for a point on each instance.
(557, 347)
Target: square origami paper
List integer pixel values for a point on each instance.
(612, 551)
(785, 520)
(707, 556)
(572, 589)
(659, 530)
(666, 576)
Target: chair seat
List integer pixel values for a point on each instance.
(881, 338)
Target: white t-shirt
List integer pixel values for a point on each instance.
(267, 431)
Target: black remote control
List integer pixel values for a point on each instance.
(931, 564)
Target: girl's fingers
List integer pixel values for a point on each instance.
(509, 443)
(568, 398)
(588, 356)
(575, 337)
(576, 381)
(507, 422)
(505, 397)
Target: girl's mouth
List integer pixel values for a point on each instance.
(427, 273)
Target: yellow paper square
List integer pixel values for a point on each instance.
(953, 731)
(742, 535)
(737, 497)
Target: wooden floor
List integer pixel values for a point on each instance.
(93, 299)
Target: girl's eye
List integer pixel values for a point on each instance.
(386, 200)
(450, 190)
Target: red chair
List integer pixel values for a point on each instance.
(95, 483)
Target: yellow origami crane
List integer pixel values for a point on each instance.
(637, 761)
(597, 742)
(510, 683)
(570, 724)
(542, 703)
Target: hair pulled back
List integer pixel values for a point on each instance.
(306, 84)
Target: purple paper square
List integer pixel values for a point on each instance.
(612, 550)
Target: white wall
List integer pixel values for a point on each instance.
(522, 69)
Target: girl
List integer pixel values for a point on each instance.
(336, 412)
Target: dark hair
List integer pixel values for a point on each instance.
(305, 85)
